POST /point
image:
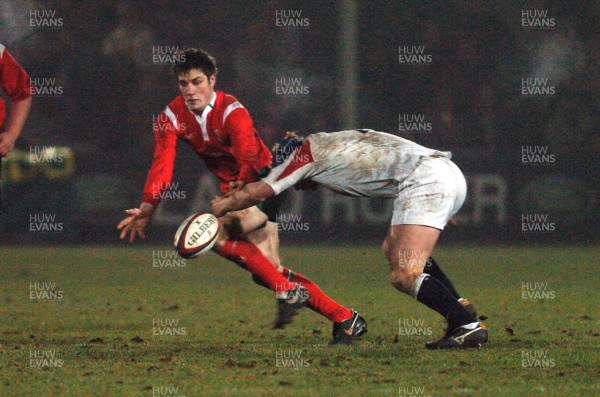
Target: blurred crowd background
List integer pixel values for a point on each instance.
(470, 92)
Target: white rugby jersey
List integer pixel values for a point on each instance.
(363, 163)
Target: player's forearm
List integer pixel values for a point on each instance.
(18, 115)
(242, 199)
(252, 194)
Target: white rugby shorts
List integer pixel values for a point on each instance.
(431, 195)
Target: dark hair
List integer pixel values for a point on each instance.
(285, 148)
(193, 58)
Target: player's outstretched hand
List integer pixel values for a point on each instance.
(219, 206)
(135, 224)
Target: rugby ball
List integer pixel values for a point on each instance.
(196, 235)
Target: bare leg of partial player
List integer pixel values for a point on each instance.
(407, 248)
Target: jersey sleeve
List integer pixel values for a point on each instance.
(13, 79)
(244, 142)
(299, 166)
(161, 171)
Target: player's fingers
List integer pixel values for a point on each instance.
(132, 236)
(124, 222)
(124, 233)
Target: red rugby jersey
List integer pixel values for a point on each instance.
(14, 81)
(223, 136)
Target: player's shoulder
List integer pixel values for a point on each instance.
(227, 104)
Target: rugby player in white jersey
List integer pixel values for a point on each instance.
(427, 189)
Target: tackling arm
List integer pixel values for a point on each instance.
(248, 196)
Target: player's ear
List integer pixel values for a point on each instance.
(212, 80)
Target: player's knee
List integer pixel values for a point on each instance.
(401, 281)
(232, 228)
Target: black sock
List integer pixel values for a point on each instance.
(434, 295)
(432, 268)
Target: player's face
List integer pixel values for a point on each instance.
(197, 89)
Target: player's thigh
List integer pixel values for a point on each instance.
(407, 248)
(267, 240)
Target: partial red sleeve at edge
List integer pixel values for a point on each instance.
(13, 78)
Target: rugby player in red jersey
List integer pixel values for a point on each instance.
(16, 84)
(427, 189)
(220, 130)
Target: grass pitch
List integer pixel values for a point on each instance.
(100, 321)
